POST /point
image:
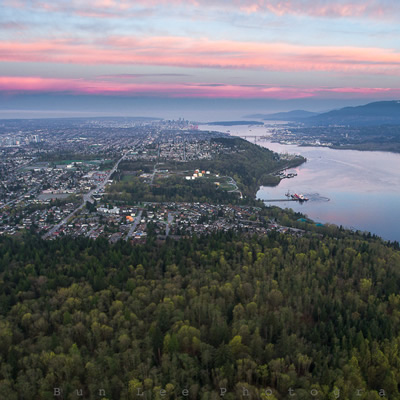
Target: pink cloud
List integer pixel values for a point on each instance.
(374, 9)
(14, 84)
(203, 53)
(319, 8)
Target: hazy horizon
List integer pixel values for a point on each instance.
(202, 110)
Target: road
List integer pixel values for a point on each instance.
(134, 225)
(101, 185)
(153, 174)
(233, 183)
(14, 202)
(169, 222)
(86, 197)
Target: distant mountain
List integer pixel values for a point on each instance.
(377, 113)
(294, 115)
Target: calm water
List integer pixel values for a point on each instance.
(355, 189)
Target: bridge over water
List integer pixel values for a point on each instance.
(256, 138)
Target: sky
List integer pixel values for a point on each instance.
(245, 55)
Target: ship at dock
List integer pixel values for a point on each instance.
(296, 196)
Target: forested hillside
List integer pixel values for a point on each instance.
(267, 314)
(249, 165)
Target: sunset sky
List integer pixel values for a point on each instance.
(317, 50)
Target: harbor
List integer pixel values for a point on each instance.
(290, 197)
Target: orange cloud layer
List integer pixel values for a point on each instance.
(187, 52)
(14, 84)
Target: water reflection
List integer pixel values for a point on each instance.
(363, 187)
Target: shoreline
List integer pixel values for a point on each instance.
(346, 147)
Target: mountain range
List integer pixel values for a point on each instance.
(294, 115)
(376, 113)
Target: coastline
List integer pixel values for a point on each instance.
(341, 147)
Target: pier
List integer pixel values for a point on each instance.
(274, 200)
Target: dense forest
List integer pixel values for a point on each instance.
(318, 315)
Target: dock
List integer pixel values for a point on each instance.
(273, 200)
